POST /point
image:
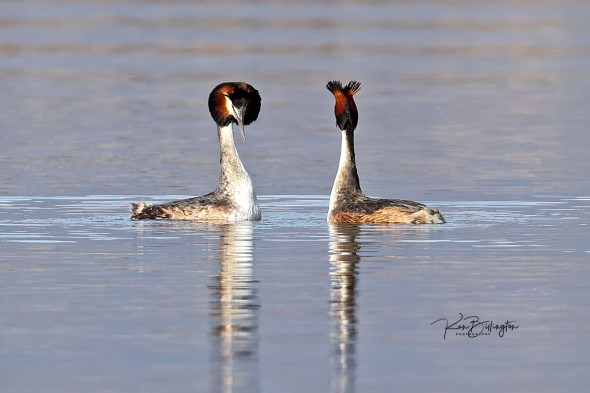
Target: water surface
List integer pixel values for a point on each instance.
(92, 299)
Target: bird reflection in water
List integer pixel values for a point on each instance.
(234, 313)
(343, 280)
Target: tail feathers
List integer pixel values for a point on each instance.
(427, 216)
(144, 211)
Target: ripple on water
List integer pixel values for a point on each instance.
(294, 217)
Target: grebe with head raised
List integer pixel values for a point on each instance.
(234, 198)
(347, 201)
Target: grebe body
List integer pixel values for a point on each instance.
(234, 198)
(348, 203)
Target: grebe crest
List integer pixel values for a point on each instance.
(234, 198)
(348, 203)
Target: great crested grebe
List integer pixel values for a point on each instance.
(347, 202)
(234, 198)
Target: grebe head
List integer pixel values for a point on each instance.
(236, 102)
(345, 109)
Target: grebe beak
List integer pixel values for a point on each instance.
(239, 116)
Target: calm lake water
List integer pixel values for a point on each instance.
(477, 108)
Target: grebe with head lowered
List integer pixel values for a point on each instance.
(234, 198)
(347, 202)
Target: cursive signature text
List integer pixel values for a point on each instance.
(472, 326)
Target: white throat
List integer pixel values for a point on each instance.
(342, 164)
(234, 182)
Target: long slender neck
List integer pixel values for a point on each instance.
(233, 178)
(347, 181)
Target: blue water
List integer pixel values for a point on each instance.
(92, 300)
